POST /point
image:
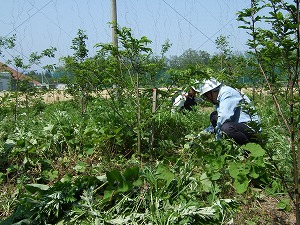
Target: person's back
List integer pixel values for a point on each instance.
(235, 106)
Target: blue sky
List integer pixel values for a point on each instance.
(195, 24)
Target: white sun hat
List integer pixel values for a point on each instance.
(206, 86)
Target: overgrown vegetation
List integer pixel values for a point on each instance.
(127, 159)
(63, 168)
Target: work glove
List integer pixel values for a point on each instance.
(209, 130)
(218, 134)
(206, 132)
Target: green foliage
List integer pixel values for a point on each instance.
(7, 43)
(42, 204)
(79, 46)
(274, 29)
(72, 168)
(82, 79)
(150, 195)
(186, 77)
(19, 83)
(252, 168)
(189, 58)
(193, 179)
(245, 166)
(130, 65)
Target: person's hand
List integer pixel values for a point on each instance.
(209, 129)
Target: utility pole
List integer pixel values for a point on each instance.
(114, 34)
(114, 22)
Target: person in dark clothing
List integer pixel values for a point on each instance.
(190, 101)
(185, 101)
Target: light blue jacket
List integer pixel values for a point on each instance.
(234, 106)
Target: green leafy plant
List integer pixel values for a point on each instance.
(277, 52)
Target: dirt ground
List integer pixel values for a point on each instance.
(264, 212)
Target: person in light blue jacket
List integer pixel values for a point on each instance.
(235, 115)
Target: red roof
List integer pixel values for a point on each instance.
(15, 74)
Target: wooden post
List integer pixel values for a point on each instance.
(154, 99)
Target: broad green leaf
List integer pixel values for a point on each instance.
(255, 149)
(114, 177)
(116, 131)
(66, 178)
(241, 183)
(89, 151)
(216, 176)
(237, 168)
(165, 174)
(283, 204)
(108, 194)
(33, 188)
(21, 143)
(233, 170)
(102, 178)
(131, 173)
(253, 173)
(89, 131)
(80, 167)
(276, 186)
(259, 161)
(53, 174)
(9, 144)
(206, 183)
(138, 182)
(124, 186)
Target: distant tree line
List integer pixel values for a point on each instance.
(236, 68)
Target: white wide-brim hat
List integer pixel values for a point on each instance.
(206, 86)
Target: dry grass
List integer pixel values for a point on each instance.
(55, 96)
(49, 97)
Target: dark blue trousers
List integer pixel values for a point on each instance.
(239, 132)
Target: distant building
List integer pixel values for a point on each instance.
(61, 87)
(4, 81)
(8, 76)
